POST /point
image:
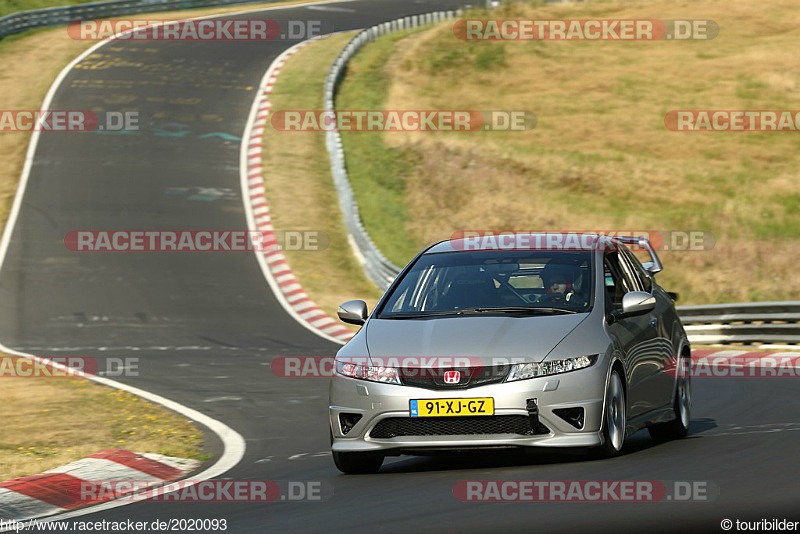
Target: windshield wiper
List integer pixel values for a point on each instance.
(478, 311)
(524, 309)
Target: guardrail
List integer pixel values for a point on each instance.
(378, 268)
(62, 15)
(753, 322)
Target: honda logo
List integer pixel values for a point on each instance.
(452, 377)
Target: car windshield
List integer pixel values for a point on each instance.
(529, 282)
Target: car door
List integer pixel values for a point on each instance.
(634, 336)
(660, 383)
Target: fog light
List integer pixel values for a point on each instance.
(573, 416)
(348, 420)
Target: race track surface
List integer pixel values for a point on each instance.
(206, 326)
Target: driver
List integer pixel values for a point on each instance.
(558, 289)
(558, 284)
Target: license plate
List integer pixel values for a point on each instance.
(451, 407)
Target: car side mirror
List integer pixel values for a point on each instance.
(652, 268)
(673, 296)
(634, 303)
(637, 303)
(353, 312)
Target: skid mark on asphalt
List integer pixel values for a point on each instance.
(334, 9)
(736, 430)
(298, 456)
(223, 399)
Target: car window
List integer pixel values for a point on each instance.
(617, 281)
(644, 281)
(523, 281)
(453, 281)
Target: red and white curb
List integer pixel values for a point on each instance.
(59, 489)
(276, 269)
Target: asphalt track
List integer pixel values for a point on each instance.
(205, 326)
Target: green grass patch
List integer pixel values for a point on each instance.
(378, 173)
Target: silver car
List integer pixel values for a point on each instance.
(554, 340)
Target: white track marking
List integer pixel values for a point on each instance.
(233, 442)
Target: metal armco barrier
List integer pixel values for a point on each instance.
(62, 15)
(752, 322)
(378, 268)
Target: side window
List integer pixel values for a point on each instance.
(638, 271)
(616, 282)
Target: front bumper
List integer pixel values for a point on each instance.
(376, 401)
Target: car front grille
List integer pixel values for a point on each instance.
(470, 377)
(451, 426)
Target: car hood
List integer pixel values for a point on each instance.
(490, 338)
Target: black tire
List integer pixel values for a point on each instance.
(613, 436)
(357, 463)
(679, 427)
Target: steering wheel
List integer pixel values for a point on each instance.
(554, 298)
(511, 288)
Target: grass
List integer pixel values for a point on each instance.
(49, 422)
(299, 186)
(600, 156)
(378, 173)
(12, 6)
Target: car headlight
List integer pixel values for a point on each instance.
(523, 371)
(385, 375)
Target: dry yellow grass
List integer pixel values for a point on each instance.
(600, 156)
(51, 421)
(299, 187)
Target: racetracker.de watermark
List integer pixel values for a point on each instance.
(194, 241)
(403, 121)
(403, 366)
(663, 240)
(195, 30)
(584, 490)
(66, 366)
(733, 120)
(92, 491)
(585, 30)
(736, 364)
(67, 121)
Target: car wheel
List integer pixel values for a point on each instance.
(357, 463)
(614, 419)
(678, 427)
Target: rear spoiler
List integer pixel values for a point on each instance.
(654, 265)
